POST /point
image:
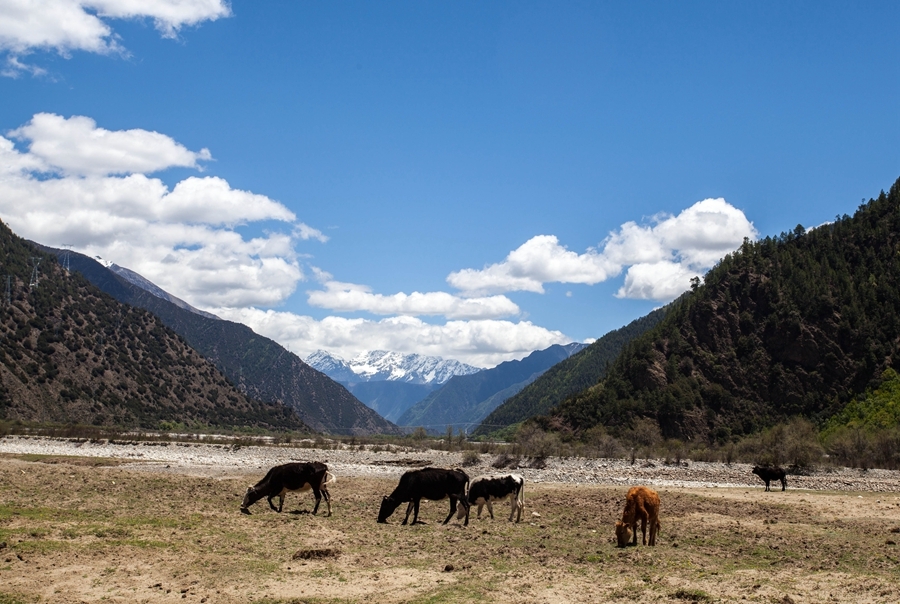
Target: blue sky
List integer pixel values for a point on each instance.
(471, 180)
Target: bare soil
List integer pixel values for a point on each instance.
(90, 530)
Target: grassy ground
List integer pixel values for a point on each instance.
(82, 531)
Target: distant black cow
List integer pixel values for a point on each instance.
(484, 490)
(296, 476)
(768, 474)
(427, 483)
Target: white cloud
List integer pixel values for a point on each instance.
(348, 297)
(180, 238)
(76, 146)
(656, 281)
(539, 260)
(81, 25)
(662, 256)
(168, 15)
(480, 343)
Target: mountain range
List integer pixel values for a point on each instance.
(464, 401)
(384, 366)
(257, 365)
(389, 382)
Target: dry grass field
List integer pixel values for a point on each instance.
(86, 530)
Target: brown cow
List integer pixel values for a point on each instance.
(641, 504)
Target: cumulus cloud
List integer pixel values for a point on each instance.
(484, 343)
(346, 297)
(179, 238)
(76, 146)
(661, 257)
(65, 26)
(539, 260)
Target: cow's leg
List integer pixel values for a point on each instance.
(653, 527)
(634, 532)
(513, 506)
(644, 530)
(519, 499)
(280, 502)
(783, 483)
(408, 511)
(480, 507)
(490, 508)
(465, 503)
(327, 497)
(416, 511)
(318, 495)
(767, 486)
(452, 509)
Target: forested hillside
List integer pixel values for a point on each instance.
(581, 370)
(258, 366)
(794, 325)
(71, 354)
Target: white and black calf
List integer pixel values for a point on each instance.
(428, 483)
(296, 476)
(485, 490)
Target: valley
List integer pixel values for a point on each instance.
(165, 527)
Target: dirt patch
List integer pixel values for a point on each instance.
(315, 554)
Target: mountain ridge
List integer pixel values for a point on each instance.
(464, 400)
(70, 353)
(383, 365)
(581, 370)
(786, 326)
(257, 365)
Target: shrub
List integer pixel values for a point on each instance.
(470, 458)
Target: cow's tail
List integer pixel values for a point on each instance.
(328, 479)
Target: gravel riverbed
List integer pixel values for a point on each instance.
(226, 460)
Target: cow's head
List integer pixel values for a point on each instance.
(623, 534)
(248, 501)
(388, 505)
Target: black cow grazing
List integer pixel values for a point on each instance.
(427, 483)
(296, 476)
(768, 474)
(484, 490)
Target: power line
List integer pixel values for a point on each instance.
(35, 261)
(65, 258)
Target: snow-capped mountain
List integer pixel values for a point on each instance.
(381, 365)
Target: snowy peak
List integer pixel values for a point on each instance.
(382, 365)
(333, 366)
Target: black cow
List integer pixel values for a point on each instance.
(768, 474)
(427, 483)
(486, 489)
(296, 476)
